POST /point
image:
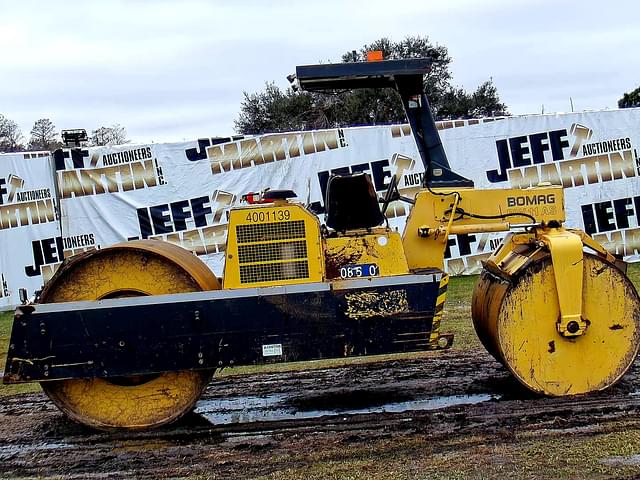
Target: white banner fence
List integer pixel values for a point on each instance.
(29, 228)
(179, 192)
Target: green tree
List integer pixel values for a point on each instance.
(44, 136)
(10, 135)
(113, 135)
(483, 102)
(274, 110)
(631, 99)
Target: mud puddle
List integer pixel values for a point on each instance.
(281, 407)
(9, 451)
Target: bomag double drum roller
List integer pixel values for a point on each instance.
(129, 336)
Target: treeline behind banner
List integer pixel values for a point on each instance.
(180, 192)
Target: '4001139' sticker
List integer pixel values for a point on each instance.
(362, 270)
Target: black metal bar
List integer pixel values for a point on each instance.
(193, 331)
(348, 76)
(438, 172)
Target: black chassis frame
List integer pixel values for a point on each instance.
(209, 330)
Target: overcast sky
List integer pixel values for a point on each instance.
(176, 70)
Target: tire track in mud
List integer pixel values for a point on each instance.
(38, 440)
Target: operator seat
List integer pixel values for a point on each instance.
(352, 203)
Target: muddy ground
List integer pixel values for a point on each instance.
(445, 415)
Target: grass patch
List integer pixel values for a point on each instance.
(539, 454)
(633, 272)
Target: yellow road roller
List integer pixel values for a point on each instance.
(127, 337)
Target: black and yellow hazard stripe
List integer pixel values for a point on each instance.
(439, 308)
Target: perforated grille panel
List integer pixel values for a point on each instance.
(270, 252)
(267, 272)
(264, 232)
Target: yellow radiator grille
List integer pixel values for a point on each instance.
(267, 272)
(270, 252)
(265, 232)
(273, 244)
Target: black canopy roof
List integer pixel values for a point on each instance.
(339, 76)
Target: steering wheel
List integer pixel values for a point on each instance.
(392, 194)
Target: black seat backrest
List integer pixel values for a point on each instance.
(352, 203)
(279, 194)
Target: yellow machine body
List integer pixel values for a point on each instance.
(432, 220)
(381, 247)
(538, 307)
(273, 244)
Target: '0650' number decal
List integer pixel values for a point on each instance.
(363, 270)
